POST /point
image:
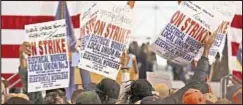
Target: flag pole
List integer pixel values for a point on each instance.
(62, 9)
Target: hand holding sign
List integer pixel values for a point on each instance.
(124, 59)
(208, 42)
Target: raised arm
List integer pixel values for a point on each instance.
(203, 64)
(24, 49)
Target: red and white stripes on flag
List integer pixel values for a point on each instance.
(234, 40)
(16, 14)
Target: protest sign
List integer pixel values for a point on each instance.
(226, 10)
(105, 30)
(183, 37)
(158, 78)
(48, 63)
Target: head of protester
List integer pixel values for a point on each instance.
(8, 96)
(108, 91)
(75, 95)
(162, 89)
(194, 96)
(21, 95)
(55, 97)
(139, 89)
(88, 97)
(17, 100)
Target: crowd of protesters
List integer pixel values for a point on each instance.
(196, 91)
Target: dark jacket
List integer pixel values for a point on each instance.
(198, 81)
(142, 70)
(35, 97)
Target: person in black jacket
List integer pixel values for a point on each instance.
(142, 59)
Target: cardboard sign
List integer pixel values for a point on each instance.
(105, 30)
(158, 78)
(183, 37)
(48, 63)
(226, 10)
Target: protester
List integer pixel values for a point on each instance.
(199, 79)
(75, 95)
(178, 71)
(108, 91)
(35, 97)
(139, 89)
(196, 91)
(151, 61)
(8, 96)
(142, 59)
(17, 100)
(193, 96)
(24, 96)
(134, 48)
(88, 97)
(55, 97)
(162, 89)
(11, 95)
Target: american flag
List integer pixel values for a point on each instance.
(16, 14)
(234, 40)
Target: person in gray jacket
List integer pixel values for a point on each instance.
(199, 79)
(35, 97)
